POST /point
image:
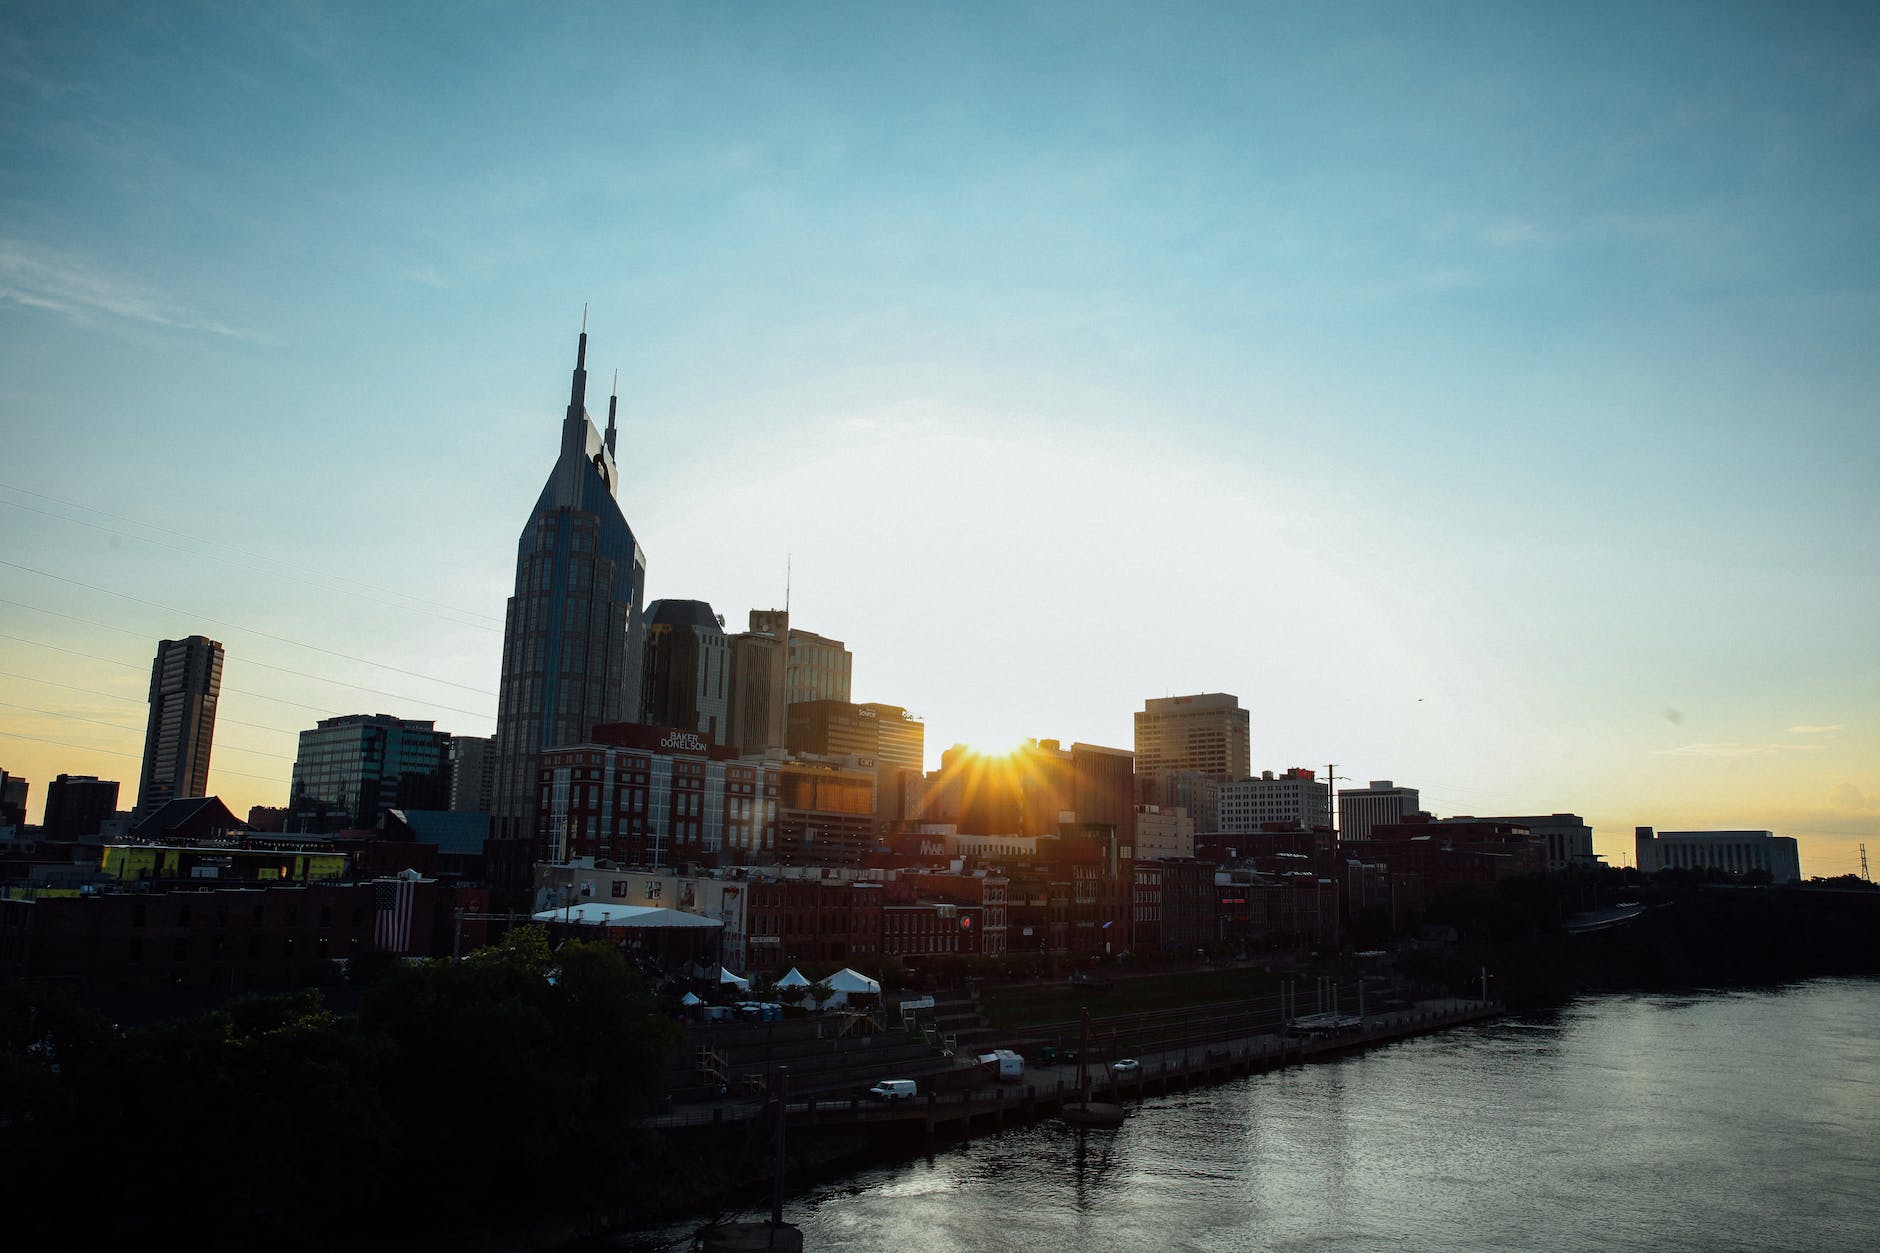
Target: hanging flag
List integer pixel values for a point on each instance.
(392, 905)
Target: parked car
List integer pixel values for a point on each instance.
(894, 1090)
(1125, 1066)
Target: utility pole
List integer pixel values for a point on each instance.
(1865, 877)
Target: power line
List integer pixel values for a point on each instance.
(236, 691)
(196, 539)
(279, 639)
(92, 748)
(143, 700)
(318, 678)
(70, 717)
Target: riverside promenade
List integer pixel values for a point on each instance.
(1045, 1088)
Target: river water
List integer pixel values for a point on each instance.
(1728, 1120)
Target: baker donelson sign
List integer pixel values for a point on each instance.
(685, 741)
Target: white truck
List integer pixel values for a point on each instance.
(1004, 1064)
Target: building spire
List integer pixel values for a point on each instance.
(613, 407)
(577, 392)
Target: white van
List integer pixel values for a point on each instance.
(894, 1090)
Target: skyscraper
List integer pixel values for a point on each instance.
(185, 680)
(818, 668)
(350, 768)
(1206, 733)
(687, 677)
(572, 636)
(757, 708)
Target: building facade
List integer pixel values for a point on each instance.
(892, 739)
(1360, 809)
(1207, 733)
(1732, 852)
(185, 683)
(1295, 797)
(686, 681)
(757, 708)
(472, 773)
(572, 634)
(77, 806)
(816, 668)
(351, 768)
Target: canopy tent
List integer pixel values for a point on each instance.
(850, 983)
(737, 981)
(670, 937)
(794, 979)
(690, 999)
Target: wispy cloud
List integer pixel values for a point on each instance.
(40, 278)
(1732, 748)
(1815, 730)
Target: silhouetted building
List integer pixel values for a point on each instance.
(1360, 809)
(687, 672)
(816, 668)
(348, 769)
(889, 737)
(13, 791)
(77, 806)
(572, 636)
(1569, 839)
(1733, 852)
(757, 709)
(185, 681)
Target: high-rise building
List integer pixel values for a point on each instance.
(816, 668)
(77, 805)
(13, 791)
(1295, 797)
(1360, 809)
(572, 635)
(890, 738)
(758, 712)
(1569, 838)
(472, 773)
(350, 769)
(1206, 733)
(185, 680)
(686, 680)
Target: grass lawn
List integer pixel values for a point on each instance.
(1039, 1004)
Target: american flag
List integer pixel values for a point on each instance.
(391, 904)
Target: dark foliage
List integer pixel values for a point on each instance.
(463, 1096)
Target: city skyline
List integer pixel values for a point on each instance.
(1485, 399)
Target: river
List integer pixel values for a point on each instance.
(1718, 1120)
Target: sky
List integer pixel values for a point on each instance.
(1484, 394)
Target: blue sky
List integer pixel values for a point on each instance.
(1485, 394)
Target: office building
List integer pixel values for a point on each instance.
(472, 773)
(1731, 852)
(686, 680)
(1361, 809)
(757, 708)
(887, 736)
(78, 805)
(1295, 798)
(572, 635)
(1206, 733)
(1569, 838)
(13, 790)
(816, 668)
(350, 769)
(185, 681)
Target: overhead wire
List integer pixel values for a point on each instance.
(119, 726)
(141, 700)
(113, 752)
(236, 626)
(319, 678)
(276, 561)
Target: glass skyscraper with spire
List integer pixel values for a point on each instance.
(572, 636)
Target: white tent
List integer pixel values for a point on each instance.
(689, 1000)
(794, 979)
(737, 981)
(848, 983)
